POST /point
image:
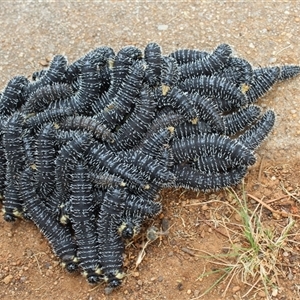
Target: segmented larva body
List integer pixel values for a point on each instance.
(45, 160)
(136, 210)
(67, 159)
(120, 67)
(99, 57)
(187, 177)
(155, 141)
(288, 72)
(207, 111)
(212, 145)
(12, 141)
(137, 124)
(224, 92)
(54, 74)
(43, 96)
(47, 116)
(255, 135)
(183, 56)
(59, 236)
(211, 164)
(166, 118)
(38, 74)
(262, 81)
(156, 171)
(111, 249)
(122, 103)
(13, 95)
(169, 74)
(111, 245)
(106, 180)
(181, 103)
(239, 71)
(208, 64)
(12, 202)
(83, 218)
(88, 124)
(64, 136)
(88, 91)
(152, 55)
(29, 147)
(2, 167)
(239, 120)
(187, 129)
(104, 75)
(122, 63)
(100, 159)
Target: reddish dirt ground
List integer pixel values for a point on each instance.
(264, 34)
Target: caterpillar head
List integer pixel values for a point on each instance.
(70, 263)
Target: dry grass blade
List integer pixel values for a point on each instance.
(256, 258)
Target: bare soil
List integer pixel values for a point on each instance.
(263, 33)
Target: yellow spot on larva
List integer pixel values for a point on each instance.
(171, 129)
(245, 88)
(194, 121)
(120, 275)
(56, 126)
(33, 167)
(111, 63)
(165, 89)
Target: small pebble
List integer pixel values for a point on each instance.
(140, 282)
(135, 274)
(180, 286)
(261, 294)
(162, 27)
(204, 207)
(237, 217)
(274, 292)
(188, 292)
(8, 279)
(236, 288)
(164, 224)
(44, 63)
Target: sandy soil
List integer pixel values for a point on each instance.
(265, 34)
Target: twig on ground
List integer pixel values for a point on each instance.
(284, 214)
(260, 168)
(276, 199)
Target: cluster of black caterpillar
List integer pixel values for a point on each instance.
(86, 147)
